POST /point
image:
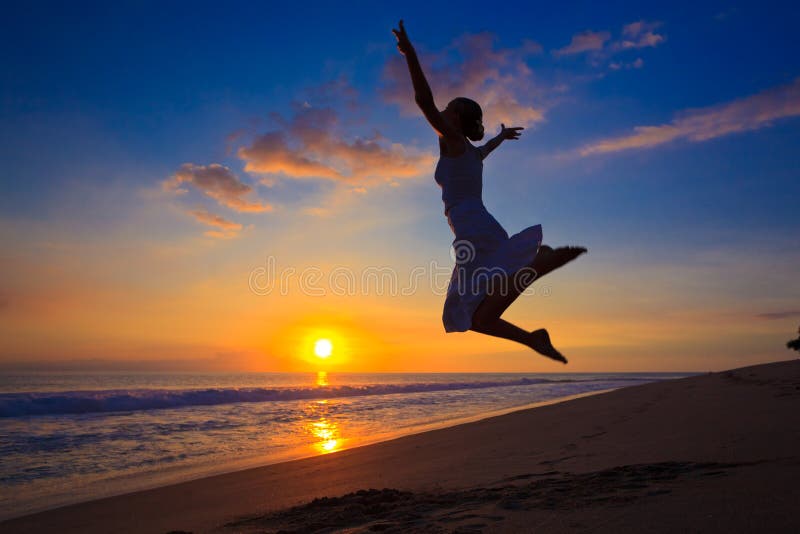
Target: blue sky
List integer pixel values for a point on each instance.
(103, 104)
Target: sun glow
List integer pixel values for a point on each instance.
(319, 348)
(323, 348)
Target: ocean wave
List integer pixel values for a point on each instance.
(82, 402)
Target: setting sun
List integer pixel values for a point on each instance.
(323, 348)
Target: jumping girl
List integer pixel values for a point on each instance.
(491, 270)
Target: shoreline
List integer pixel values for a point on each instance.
(185, 475)
(716, 452)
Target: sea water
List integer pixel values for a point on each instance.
(71, 437)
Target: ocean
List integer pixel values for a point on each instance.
(70, 437)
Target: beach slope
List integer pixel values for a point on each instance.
(709, 453)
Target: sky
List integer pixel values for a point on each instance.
(208, 187)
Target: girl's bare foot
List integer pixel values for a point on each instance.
(549, 259)
(539, 340)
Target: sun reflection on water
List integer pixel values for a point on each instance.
(327, 432)
(322, 378)
(320, 426)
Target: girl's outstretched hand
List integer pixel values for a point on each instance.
(403, 43)
(510, 133)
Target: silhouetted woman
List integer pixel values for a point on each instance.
(491, 269)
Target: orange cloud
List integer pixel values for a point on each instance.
(746, 114)
(270, 154)
(498, 79)
(216, 234)
(227, 229)
(587, 41)
(217, 182)
(312, 145)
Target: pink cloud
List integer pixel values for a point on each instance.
(498, 79)
(587, 41)
(746, 114)
(638, 63)
(640, 34)
(217, 182)
(600, 46)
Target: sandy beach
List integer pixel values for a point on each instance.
(709, 453)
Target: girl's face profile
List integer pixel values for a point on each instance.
(477, 133)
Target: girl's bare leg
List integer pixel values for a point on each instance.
(486, 318)
(546, 261)
(538, 340)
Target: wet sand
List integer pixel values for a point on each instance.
(711, 453)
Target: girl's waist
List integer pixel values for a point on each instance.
(466, 204)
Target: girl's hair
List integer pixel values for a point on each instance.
(471, 115)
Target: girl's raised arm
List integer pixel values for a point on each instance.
(422, 91)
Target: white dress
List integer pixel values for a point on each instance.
(482, 249)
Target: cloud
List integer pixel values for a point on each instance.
(220, 234)
(600, 47)
(780, 315)
(530, 47)
(313, 145)
(226, 229)
(638, 63)
(498, 79)
(639, 34)
(587, 41)
(270, 154)
(334, 91)
(211, 219)
(217, 182)
(746, 114)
